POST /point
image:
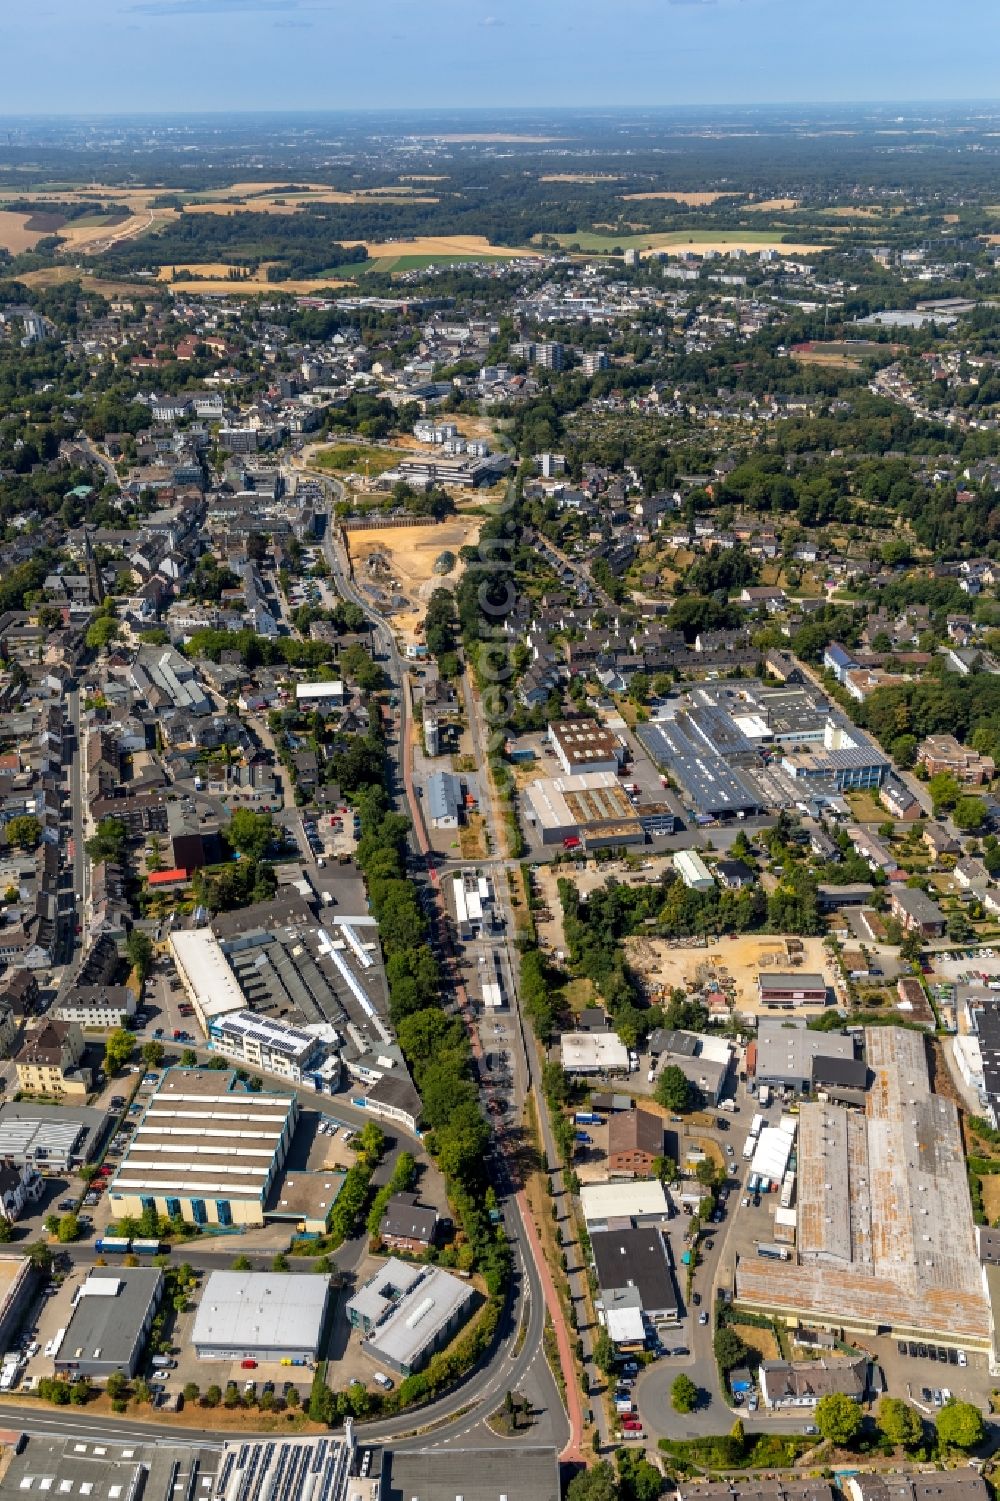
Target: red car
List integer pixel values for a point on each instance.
(248, 1365)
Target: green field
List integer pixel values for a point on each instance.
(357, 458)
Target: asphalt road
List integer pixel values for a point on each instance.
(478, 1394)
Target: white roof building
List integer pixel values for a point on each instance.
(593, 1053)
(645, 1203)
(260, 1315)
(774, 1147)
(204, 970)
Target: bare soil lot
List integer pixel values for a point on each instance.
(410, 553)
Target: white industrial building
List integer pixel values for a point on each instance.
(204, 971)
(773, 1149)
(264, 1316)
(593, 1053)
(329, 694)
(693, 871)
(642, 1202)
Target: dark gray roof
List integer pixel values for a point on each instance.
(639, 1259)
(663, 1040)
(107, 1329)
(848, 1073)
(405, 1217)
(522, 1474)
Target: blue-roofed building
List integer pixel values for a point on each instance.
(444, 800)
(838, 660)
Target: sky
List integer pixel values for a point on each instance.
(127, 56)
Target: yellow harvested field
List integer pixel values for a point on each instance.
(772, 205)
(93, 238)
(733, 961)
(470, 245)
(694, 200)
(411, 552)
(13, 234)
(213, 276)
(293, 203)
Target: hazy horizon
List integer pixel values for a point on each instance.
(124, 57)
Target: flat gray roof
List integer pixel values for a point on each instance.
(265, 1310)
(419, 1316)
(84, 1469)
(474, 1474)
(38, 1134)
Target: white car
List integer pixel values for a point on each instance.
(963, 1359)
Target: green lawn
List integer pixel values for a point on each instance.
(357, 458)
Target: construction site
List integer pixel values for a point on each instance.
(724, 970)
(884, 1224)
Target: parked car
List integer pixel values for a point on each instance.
(382, 1380)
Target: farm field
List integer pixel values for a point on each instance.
(462, 247)
(585, 177)
(684, 240)
(14, 233)
(742, 959)
(772, 205)
(411, 552)
(693, 200)
(846, 354)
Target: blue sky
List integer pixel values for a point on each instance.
(119, 56)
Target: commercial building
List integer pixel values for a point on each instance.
(593, 1053)
(710, 786)
(274, 1047)
(48, 1062)
(785, 1052)
(885, 1232)
(640, 1204)
(693, 871)
(635, 1271)
(96, 1006)
(480, 1475)
(264, 1316)
(110, 1322)
(407, 1312)
(635, 1140)
(752, 1488)
(106, 1469)
(848, 760)
(326, 695)
(205, 974)
(592, 807)
(789, 991)
(206, 1149)
(918, 912)
(802, 1383)
(320, 1468)
(581, 745)
(51, 1138)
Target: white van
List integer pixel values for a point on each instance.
(382, 1380)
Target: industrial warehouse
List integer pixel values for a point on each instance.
(206, 1149)
(884, 1221)
(738, 748)
(263, 1316)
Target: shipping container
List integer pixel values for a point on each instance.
(774, 1253)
